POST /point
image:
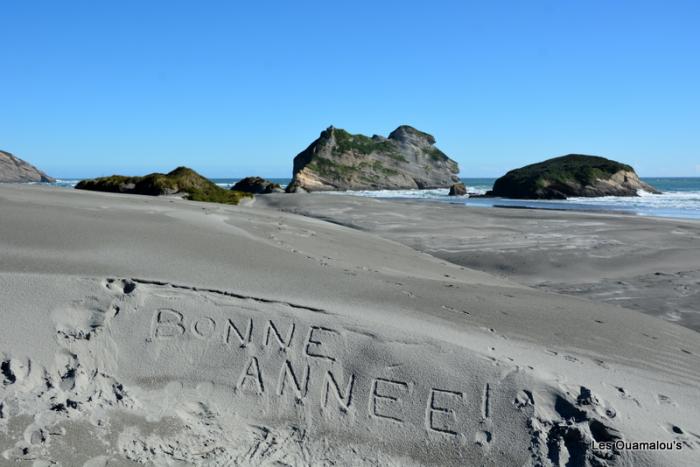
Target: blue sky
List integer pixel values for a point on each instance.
(239, 88)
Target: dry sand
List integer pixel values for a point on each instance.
(152, 331)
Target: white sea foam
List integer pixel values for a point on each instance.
(684, 204)
(685, 200)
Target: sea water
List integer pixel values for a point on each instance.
(680, 197)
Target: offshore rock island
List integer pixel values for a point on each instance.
(338, 160)
(570, 175)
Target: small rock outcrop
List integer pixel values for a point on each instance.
(257, 185)
(458, 189)
(338, 160)
(295, 187)
(15, 170)
(181, 181)
(571, 175)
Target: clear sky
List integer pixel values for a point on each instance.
(231, 89)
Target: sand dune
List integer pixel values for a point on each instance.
(153, 331)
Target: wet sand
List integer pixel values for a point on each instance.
(647, 264)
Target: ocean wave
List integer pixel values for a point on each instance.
(685, 200)
(436, 193)
(70, 183)
(680, 204)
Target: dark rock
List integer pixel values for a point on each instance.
(571, 175)
(338, 160)
(294, 187)
(181, 181)
(458, 189)
(15, 170)
(257, 185)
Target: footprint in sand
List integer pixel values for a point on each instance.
(662, 399)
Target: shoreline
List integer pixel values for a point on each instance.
(670, 205)
(646, 263)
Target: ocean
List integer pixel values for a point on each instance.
(680, 197)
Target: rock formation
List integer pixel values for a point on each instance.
(338, 160)
(257, 185)
(15, 170)
(181, 181)
(458, 189)
(570, 175)
(295, 187)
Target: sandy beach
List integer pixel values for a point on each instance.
(167, 332)
(642, 263)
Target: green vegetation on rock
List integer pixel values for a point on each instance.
(570, 175)
(436, 155)
(180, 181)
(340, 160)
(330, 169)
(377, 166)
(363, 145)
(334, 170)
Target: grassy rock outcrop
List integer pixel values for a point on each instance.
(257, 185)
(338, 160)
(570, 175)
(181, 181)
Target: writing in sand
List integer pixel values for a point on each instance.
(312, 364)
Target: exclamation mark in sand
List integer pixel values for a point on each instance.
(485, 406)
(483, 437)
